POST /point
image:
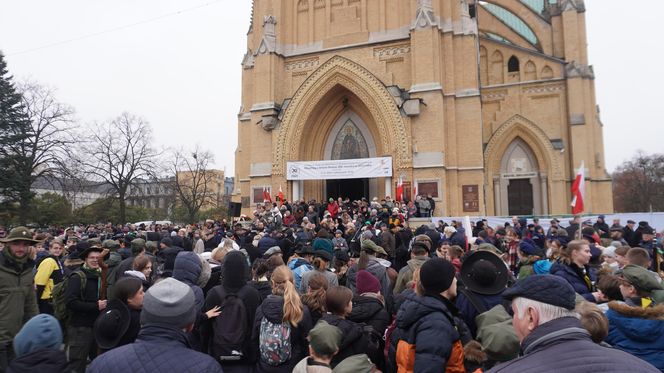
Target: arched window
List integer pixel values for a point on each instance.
(513, 65)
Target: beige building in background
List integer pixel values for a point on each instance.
(487, 105)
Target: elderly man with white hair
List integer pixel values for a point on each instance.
(551, 336)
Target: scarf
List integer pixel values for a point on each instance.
(90, 271)
(583, 274)
(12, 259)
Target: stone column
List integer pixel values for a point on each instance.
(388, 187)
(544, 189)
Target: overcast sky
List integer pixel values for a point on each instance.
(177, 64)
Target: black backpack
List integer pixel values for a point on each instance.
(230, 329)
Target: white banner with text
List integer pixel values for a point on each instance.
(340, 169)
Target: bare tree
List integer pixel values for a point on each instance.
(119, 153)
(193, 180)
(638, 184)
(43, 150)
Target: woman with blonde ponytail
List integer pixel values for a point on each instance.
(281, 326)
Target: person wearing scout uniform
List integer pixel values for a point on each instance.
(18, 301)
(637, 324)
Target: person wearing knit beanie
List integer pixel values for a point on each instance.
(37, 346)
(437, 276)
(367, 283)
(426, 323)
(170, 303)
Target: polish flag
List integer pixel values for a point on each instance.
(269, 196)
(578, 190)
(280, 196)
(400, 190)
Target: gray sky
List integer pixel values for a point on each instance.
(181, 71)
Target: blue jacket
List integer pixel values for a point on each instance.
(157, 349)
(299, 266)
(426, 323)
(567, 272)
(638, 331)
(562, 345)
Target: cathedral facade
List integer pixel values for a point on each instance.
(487, 106)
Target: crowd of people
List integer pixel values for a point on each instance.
(340, 286)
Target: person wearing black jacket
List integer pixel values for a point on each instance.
(357, 337)
(233, 282)
(369, 308)
(83, 301)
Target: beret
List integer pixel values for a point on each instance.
(549, 289)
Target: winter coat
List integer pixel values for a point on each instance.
(265, 243)
(84, 311)
(562, 345)
(573, 278)
(299, 266)
(18, 301)
(639, 331)
(468, 312)
(168, 256)
(251, 299)
(272, 309)
(307, 365)
(353, 341)
(406, 273)
(263, 287)
(44, 360)
(375, 268)
(187, 269)
(157, 349)
(370, 310)
(425, 336)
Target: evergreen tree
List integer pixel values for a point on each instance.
(14, 129)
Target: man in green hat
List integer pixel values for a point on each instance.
(18, 300)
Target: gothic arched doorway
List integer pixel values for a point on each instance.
(521, 187)
(350, 138)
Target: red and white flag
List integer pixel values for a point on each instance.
(578, 190)
(265, 199)
(400, 190)
(280, 196)
(267, 193)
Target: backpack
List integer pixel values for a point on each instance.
(275, 343)
(231, 329)
(59, 294)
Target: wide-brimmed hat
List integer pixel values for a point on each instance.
(304, 250)
(112, 324)
(484, 273)
(19, 234)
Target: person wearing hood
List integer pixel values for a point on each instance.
(281, 315)
(573, 267)
(233, 287)
(49, 273)
(552, 337)
(187, 268)
(369, 308)
(369, 261)
(37, 347)
(419, 253)
(426, 338)
(636, 325)
(531, 260)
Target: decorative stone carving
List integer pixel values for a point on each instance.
(574, 69)
(303, 5)
(269, 122)
(305, 64)
(392, 51)
(269, 42)
(339, 71)
(575, 5)
(248, 60)
(543, 89)
(424, 17)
